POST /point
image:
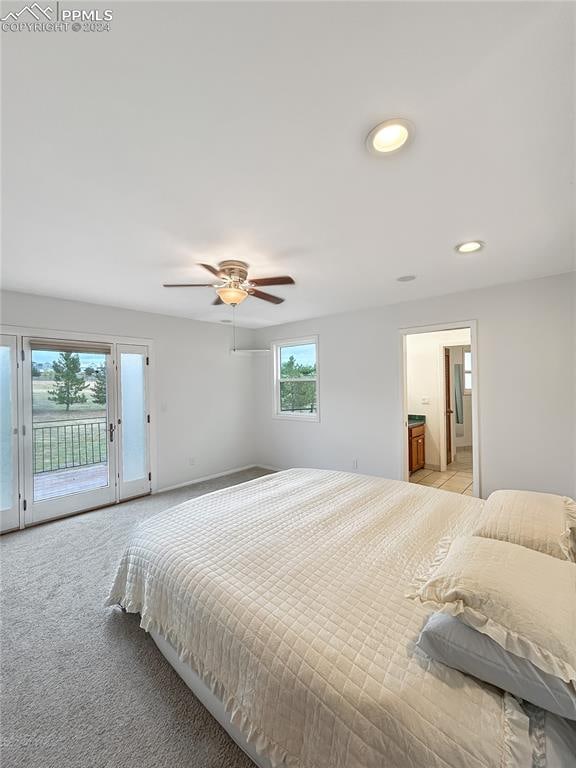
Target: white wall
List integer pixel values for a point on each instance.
(203, 394)
(218, 408)
(526, 424)
(425, 381)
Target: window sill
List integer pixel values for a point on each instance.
(313, 418)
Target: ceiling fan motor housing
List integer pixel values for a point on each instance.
(237, 270)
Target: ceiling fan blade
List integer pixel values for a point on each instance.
(282, 280)
(210, 268)
(266, 297)
(188, 285)
(217, 300)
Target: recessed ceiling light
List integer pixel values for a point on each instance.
(388, 136)
(406, 278)
(470, 246)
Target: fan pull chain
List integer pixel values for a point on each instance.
(234, 327)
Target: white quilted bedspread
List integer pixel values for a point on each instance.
(287, 596)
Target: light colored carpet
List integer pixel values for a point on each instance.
(82, 685)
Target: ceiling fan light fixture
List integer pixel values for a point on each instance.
(388, 136)
(231, 294)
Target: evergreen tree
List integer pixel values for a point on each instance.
(69, 381)
(299, 395)
(35, 371)
(99, 387)
(291, 369)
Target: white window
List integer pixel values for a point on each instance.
(468, 371)
(296, 379)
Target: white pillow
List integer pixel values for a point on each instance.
(542, 521)
(522, 599)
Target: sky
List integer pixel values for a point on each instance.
(305, 354)
(87, 359)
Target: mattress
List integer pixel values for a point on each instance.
(286, 597)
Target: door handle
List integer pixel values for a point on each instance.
(111, 429)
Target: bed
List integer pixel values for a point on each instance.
(282, 604)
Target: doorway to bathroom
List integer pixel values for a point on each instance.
(439, 408)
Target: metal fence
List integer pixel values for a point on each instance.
(72, 444)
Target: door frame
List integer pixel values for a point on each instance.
(21, 331)
(12, 341)
(472, 325)
(449, 411)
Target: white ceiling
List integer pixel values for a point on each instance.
(197, 132)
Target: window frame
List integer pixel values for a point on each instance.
(277, 346)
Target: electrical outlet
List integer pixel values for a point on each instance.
(192, 461)
(425, 401)
(354, 463)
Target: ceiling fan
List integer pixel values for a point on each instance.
(235, 285)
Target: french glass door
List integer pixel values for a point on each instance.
(9, 432)
(77, 436)
(69, 419)
(133, 421)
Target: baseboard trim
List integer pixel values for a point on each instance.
(207, 477)
(270, 467)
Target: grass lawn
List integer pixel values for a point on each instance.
(44, 409)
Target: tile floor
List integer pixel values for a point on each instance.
(463, 460)
(457, 478)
